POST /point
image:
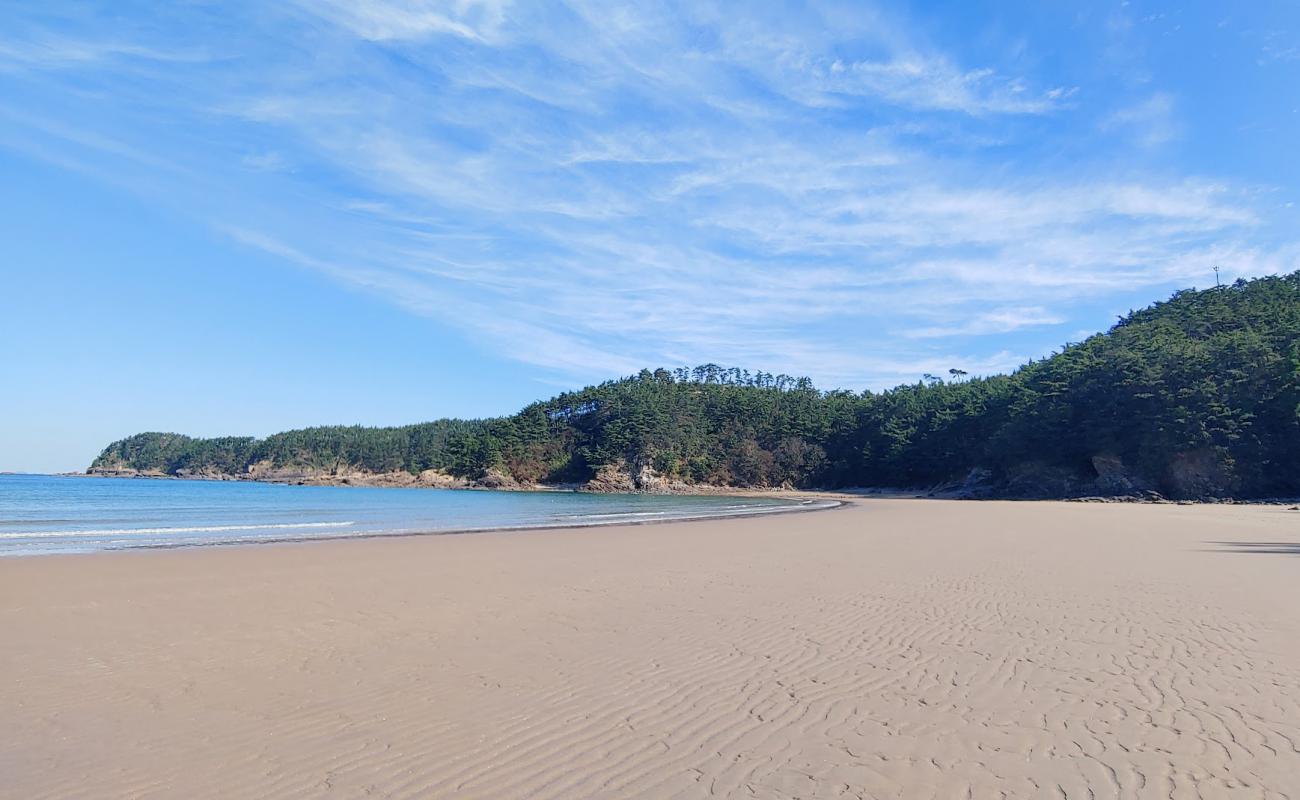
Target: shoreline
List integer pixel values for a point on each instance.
(390, 480)
(802, 508)
(376, 481)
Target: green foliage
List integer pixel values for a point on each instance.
(1206, 378)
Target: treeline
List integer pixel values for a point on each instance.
(428, 445)
(1195, 396)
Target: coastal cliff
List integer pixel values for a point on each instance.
(612, 478)
(1196, 397)
(302, 476)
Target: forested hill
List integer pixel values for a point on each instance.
(1197, 396)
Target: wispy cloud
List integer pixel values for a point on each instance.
(383, 20)
(1279, 46)
(1000, 320)
(593, 188)
(53, 52)
(1151, 122)
(932, 83)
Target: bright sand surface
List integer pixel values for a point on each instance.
(896, 648)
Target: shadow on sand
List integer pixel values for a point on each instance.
(1264, 548)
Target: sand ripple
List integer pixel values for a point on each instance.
(892, 650)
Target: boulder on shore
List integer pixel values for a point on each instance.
(494, 478)
(1113, 477)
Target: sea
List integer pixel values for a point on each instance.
(49, 514)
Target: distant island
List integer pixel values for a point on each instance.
(1196, 397)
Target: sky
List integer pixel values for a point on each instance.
(239, 218)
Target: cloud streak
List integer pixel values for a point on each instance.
(593, 188)
(387, 20)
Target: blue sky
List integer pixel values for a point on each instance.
(241, 218)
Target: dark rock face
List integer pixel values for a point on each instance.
(1193, 475)
(978, 485)
(1109, 478)
(1197, 474)
(1036, 480)
(1113, 478)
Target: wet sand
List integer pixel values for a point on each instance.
(893, 649)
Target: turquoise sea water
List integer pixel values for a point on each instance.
(53, 514)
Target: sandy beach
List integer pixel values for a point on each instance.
(893, 649)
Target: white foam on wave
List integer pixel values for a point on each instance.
(90, 539)
(616, 514)
(686, 514)
(169, 531)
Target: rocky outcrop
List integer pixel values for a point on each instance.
(647, 480)
(496, 479)
(1113, 477)
(342, 475)
(621, 478)
(428, 479)
(977, 485)
(611, 478)
(1033, 480)
(123, 471)
(1197, 474)
(266, 472)
(206, 474)
(1193, 475)
(437, 479)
